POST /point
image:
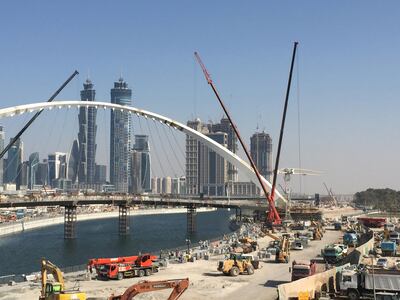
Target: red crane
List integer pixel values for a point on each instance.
(272, 215)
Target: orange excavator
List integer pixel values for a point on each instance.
(179, 286)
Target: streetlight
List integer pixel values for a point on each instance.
(188, 245)
(373, 276)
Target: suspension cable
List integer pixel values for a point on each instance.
(166, 152)
(172, 150)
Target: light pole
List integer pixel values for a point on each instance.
(188, 245)
(373, 276)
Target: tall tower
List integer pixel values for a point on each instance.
(2, 139)
(214, 170)
(14, 161)
(33, 166)
(120, 138)
(87, 136)
(261, 153)
(140, 165)
(193, 159)
(226, 127)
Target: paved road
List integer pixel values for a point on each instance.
(264, 282)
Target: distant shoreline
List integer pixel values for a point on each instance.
(21, 226)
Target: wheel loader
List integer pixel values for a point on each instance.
(235, 265)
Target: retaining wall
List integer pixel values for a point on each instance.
(325, 281)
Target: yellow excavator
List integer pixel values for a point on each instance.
(56, 290)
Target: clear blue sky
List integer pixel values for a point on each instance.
(347, 71)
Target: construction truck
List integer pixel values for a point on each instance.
(350, 239)
(144, 265)
(334, 252)
(56, 290)
(99, 262)
(355, 283)
(236, 265)
(389, 248)
(302, 268)
(179, 286)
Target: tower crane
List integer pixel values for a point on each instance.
(272, 215)
(330, 194)
(287, 173)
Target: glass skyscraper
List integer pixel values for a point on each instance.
(87, 136)
(140, 165)
(120, 138)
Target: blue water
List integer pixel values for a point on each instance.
(21, 253)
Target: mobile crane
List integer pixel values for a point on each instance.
(272, 215)
(56, 290)
(179, 286)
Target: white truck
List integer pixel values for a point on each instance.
(355, 283)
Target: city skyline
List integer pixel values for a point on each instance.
(345, 77)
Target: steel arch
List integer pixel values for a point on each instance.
(224, 152)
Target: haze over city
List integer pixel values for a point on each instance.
(346, 77)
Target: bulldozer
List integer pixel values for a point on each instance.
(56, 290)
(236, 265)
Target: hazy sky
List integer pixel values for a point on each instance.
(347, 73)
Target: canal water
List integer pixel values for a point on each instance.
(21, 253)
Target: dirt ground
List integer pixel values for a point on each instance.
(205, 281)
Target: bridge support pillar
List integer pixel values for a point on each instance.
(123, 220)
(238, 214)
(191, 219)
(70, 222)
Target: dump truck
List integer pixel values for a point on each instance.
(302, 268)
(334, 252)
(388, 248)
(56, 290)
(356, 283)
(235, 265)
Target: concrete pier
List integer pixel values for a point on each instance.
(191, 219)
(123, 219)
(70, 222)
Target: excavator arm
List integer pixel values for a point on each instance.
(179, 286)
(47, 266)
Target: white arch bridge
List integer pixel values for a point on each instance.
(70, 210)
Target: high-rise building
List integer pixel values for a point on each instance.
(73, 162)
(42, 173)
(87, 136)
(167, 185)
(193, 158)
(140, 165)
(2, 139)
(57, 167)
(232, 144)
(120, 138)
(213, 167)
(33, 166)
(101, 174)
(261, 153)
(23, 172)
(14, 161)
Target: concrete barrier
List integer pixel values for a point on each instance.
(325, 281)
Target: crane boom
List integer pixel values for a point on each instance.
(179, 286)
(272, 209)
